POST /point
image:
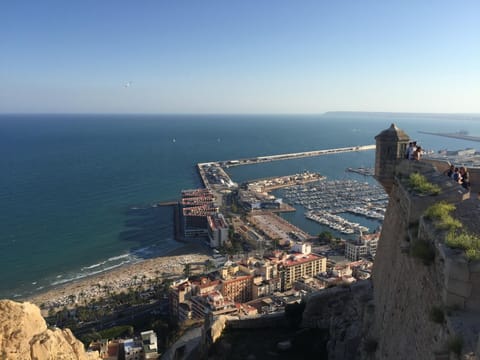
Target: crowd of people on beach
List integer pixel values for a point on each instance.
(460, 175)
(134, 276)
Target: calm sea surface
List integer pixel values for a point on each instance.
(75, 190)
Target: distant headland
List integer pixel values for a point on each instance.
(403, 115)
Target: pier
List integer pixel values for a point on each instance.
(298, 155)
(213, 174)
(459, 135)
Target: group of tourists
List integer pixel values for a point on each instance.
(459, 175)
(414, 151)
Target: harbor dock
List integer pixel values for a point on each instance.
(298, 155)
(214, 176)
(459, 135)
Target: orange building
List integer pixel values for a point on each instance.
(238, 288)
(299, 265)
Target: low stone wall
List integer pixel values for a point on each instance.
(414, 205)
(213, 329)
(264, 321)
(458, 282)
(442, 166)
(461, 278)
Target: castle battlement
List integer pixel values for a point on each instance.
(415, 272)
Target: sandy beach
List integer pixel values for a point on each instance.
(117, 280)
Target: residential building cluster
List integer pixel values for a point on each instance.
(345, 272)
(144, 347)
(229, 290)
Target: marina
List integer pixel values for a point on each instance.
(325, 201)
(335, 222)
(362, 171)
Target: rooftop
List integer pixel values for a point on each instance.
(393, 133)
(300, 258)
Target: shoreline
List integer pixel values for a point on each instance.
(82, 291)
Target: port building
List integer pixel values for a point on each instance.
(195, 207)
(217, 230)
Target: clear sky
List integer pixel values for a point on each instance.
(239, 56)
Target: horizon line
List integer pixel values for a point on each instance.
(247, 114)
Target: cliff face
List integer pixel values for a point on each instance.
(425, 298)
(346, 313)
(405, 291)
(391, 319)
(426, 295)
(24, 336)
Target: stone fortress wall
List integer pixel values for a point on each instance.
(406, 290)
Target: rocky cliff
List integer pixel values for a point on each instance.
(406, 290)
(426, 295)
(24, 336)
(345, 313)
(424, 298)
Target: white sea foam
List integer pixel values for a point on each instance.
(84, 274)
(118, 257)
(63, 281)
(93, 266)
(101, 267)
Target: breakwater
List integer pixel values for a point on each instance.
(298, 155)
(453, 135)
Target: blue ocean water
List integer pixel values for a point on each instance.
(76, 190)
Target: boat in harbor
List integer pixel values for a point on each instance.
(335, 222)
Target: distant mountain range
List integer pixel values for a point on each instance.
(403, 115)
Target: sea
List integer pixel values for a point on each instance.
(76, 191)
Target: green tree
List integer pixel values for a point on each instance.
(231, 232)
(208, 265)
(325, 236)
(187, 270)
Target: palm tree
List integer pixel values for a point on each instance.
(208, 266)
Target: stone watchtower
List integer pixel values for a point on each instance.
(391, 146)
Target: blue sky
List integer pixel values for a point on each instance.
(263, 56)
